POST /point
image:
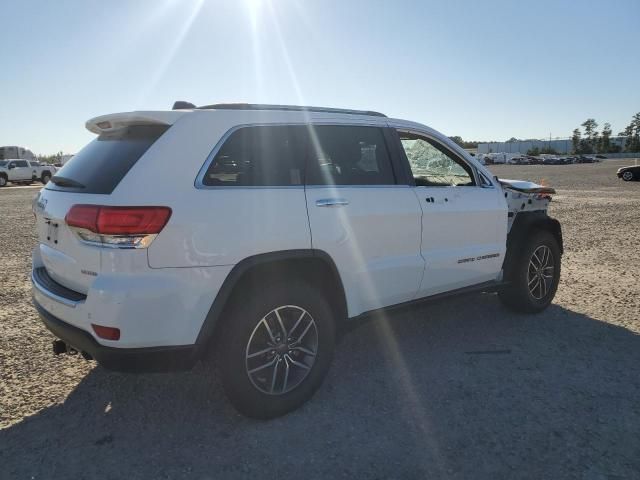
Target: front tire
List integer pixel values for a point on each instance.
(627, 176)
(3, 181)
(275, 348)
(46, 176)
(534, 275)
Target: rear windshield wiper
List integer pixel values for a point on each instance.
(66, 182)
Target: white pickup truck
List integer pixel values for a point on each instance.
(24, 171)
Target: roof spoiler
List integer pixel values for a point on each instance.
(116, 121)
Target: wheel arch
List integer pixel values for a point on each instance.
(523, 226)
(312, 265)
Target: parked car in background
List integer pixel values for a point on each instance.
(587, 159)
(629, 173)
(24, 172)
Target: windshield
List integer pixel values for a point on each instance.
(3, 164)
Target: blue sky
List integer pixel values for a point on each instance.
(478, 69)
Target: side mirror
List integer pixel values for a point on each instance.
(11, 165)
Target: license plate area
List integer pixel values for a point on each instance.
(52, 231)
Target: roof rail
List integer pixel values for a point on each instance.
(289, 108)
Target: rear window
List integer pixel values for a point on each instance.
(103, 163)
(260, 156)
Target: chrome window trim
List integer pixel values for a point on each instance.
(357, 186)
(199, 181)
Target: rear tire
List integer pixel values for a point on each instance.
(275, 348)
(46, 176)
(534, 275)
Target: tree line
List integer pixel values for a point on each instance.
(50, 159)
(592, 141)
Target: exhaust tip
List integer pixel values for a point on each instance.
(59, 347)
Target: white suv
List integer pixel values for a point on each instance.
(256, 231)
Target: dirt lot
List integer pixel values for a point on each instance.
(555, 395)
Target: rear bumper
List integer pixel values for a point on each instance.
(151, 307)
(147, 359)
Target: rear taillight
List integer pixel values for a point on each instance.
(120, 227)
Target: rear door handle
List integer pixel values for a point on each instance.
(437, 200)
(332, 202)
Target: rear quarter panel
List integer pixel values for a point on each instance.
(212, 226)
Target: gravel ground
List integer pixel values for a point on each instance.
(554, 395)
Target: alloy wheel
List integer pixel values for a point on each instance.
(540, 272)
(281, 350)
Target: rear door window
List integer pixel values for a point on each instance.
(260, 156)
(348, 155)
(102, 164)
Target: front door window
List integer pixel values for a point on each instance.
(432, 165)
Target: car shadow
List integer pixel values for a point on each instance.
(456, 389)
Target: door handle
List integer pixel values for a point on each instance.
(437, 200)
(332, 202)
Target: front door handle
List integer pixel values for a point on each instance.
(332, 202)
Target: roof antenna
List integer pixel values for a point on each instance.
(182, 105)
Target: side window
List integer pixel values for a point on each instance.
(260, 156)
(35, 164)
(348, 155)
(22, 163)
(434, 165)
